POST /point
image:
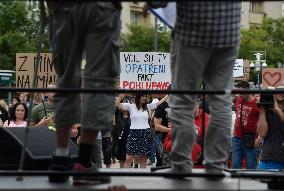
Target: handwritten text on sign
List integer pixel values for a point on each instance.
(238, 68)
(25, 69)
(272, 77)
(145, 70)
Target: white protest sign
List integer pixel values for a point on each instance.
(238, 68)
(145, 70)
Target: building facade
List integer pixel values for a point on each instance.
(253, 12)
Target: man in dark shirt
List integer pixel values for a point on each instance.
(161, 125)
(271, 129)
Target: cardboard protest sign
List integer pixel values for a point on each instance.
(272, 77)
(145, 70)
(241, 69)
(25, 69)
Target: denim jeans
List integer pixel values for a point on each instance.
(240, 152)
(266, 164)
(159, 150)
(152, 153)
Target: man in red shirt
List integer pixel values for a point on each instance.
(247, 112)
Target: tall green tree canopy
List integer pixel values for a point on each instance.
(269, 37)
(141, 39)
(19, 28)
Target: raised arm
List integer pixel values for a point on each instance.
(117, 102)
(262, 126)
(163, 100)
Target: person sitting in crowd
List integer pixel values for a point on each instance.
(18, 116)
(139, 138)
(197, 155)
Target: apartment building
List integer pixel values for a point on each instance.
(253, 12)
(132, 12)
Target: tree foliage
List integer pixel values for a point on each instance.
(269, 37)
(19, 29)
(141, 39)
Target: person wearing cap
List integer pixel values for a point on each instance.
(270, 127)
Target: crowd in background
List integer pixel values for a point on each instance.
(141, 132)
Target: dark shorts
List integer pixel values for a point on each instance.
(139, 142)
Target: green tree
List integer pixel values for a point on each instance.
(269, 38)
(19, 28)
(141, 39)
(275, 30)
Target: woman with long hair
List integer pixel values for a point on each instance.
(18, 116)
(139, 139)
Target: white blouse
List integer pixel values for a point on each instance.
(139, 118)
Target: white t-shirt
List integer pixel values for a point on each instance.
(139, 118)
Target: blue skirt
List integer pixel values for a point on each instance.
(139, 142)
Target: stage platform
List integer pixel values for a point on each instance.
(135, 183)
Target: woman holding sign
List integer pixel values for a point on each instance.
(139, 138)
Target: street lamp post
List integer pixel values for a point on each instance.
(258, 64)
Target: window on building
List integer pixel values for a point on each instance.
(135, 17)
(256, 6)
(135, 3)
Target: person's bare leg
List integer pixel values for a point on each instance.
(63, 138)
(143, 161)
(121, 163)
(129, 161)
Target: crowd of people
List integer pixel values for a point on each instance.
(141, 128)
(182, 132)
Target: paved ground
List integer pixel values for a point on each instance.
(157, 183)
(116, 165)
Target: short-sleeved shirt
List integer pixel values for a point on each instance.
(39, 112)
(249, 118)
(139, 118)
(161, 112)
